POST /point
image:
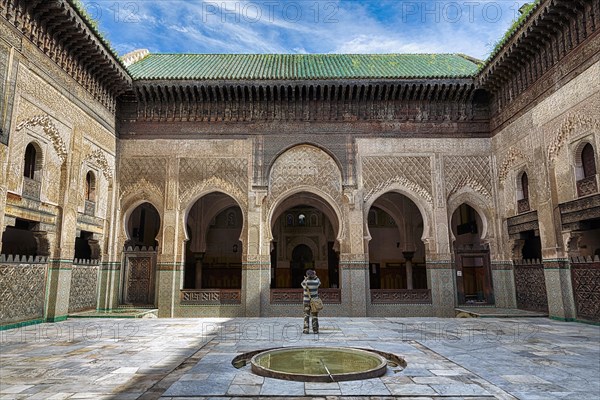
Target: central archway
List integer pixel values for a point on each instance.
(304, 231)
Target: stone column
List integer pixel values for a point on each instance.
(62, 247)
(441, 274)
(170, 263)
(555, 251)
(256, 258)
(408, 256)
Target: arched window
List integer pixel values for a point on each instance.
(523, 193)
(30, 159)
(301, 220)
(90, 186)
(32, 168)
(585, 171)
(588, 162)
(525, 185)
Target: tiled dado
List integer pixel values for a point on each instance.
(170, 266)
(556, 263)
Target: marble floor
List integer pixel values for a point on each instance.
(463, 358)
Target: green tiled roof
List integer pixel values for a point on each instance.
(302, 66)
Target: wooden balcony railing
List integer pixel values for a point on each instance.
(523, 206)
(587, 186)
(400, 296)
(31, 188)
(90, 207)
(210, 296)
(295, 296)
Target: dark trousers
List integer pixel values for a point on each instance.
(315, 319)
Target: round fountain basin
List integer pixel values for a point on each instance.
(319, 364)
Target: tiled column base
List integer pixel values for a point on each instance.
(503, 279)
(256, 279)
(443, 287)
(354, 278)
(58, 289)
(561, 303)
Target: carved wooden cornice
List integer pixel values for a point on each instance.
(59, 31)
(555, 29)
(399, 100)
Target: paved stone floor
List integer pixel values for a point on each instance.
(524, 358)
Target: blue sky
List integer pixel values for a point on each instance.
(304, 26)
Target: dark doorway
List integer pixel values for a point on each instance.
(473, 270)
(302, 260)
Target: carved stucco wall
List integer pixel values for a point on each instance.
(229, 175)
(200, 167)
(543, 142)
(381, 172)
(50, 135)
(305, 168)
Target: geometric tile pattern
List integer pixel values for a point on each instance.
(586, 288)
(84, 288)
(22, 292)
(530, 287)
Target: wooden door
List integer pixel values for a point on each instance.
(473, 278)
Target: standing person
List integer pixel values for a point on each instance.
(310, 284)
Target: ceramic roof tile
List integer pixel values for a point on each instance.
(301, 66)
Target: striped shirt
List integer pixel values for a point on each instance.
(312, 285)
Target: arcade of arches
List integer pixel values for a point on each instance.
(211, 197)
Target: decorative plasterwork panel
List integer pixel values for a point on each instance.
(229, 175)
(468, 171)
(414, 173)
(572, 124)
(98, 158)
(511, 158)
(142, 171)
(308, 166)
(50, 130)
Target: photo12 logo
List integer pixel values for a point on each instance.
(458, 11)
(224, 11)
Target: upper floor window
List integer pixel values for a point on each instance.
(588, 162)
(30, 159)
(32, 167)
(585, 171)
(523, 193)
(90, 186)
(301, 219)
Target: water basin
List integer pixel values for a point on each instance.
(319, 364)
